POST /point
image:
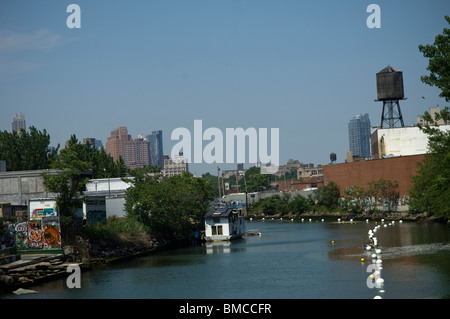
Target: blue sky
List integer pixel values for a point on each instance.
(305, 67)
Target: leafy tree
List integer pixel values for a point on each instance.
(26, 150)
(275, 204)
(328, 195)
(100, 163)
(430, 192)
(354, 200)
(255, 180)
(168, 206)
(75, 164)
(439, 63)
(281, 204)
(213, 180)
(299, 205)
(384, 191)
(69, 185)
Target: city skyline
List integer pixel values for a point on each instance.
(305, 68)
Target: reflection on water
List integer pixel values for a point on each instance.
(415, 250)
(290, 260)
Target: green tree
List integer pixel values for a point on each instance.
(168, 206)
(100, 163)
(26, 150)
(430, 192)
(214, 182)
(75, 164)
(328, 195)
(299, 205)
(69, 185)
(439, 62)
(384, 192)
(354, 200)
(255, 180)
(274, 204)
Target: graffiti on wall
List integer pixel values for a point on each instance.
(43, 212)
(35, 235)
(51, 234)
(21, 235)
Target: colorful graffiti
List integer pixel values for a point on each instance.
(43, 212)
(51, 233)
(21, 235)
(35, 235)
(38, 234)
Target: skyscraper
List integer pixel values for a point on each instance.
(359, 135)
(156, 148)
(115, 144)
(135, 153)
(18, 122)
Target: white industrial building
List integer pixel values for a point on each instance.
(114, 191)
(400, 141)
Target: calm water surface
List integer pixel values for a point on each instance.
(291, 260)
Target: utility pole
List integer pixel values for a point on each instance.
(218, 180)
(237, 181)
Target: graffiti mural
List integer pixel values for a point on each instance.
(21, 235)
(35, 235)
(43, 212)
(51, 234)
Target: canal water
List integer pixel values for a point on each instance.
(290, 260)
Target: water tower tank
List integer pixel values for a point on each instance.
(333, 157)
(390, 84)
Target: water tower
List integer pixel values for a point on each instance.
(390, 92)
(333, 157)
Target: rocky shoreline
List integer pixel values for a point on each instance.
(35, 269)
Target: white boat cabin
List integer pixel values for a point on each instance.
(224, 224)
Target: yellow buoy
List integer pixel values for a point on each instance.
(362, 260)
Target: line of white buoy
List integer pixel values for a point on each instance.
(291, 219)
(375, 280)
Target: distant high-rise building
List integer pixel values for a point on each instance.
(359, 135)
(175, 166)
(18, 122)
(138, 153)
(433, 111)
(156, 148)
(93, 142)
(135, 153)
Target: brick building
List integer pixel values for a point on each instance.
(297, 184)
(400, 169)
